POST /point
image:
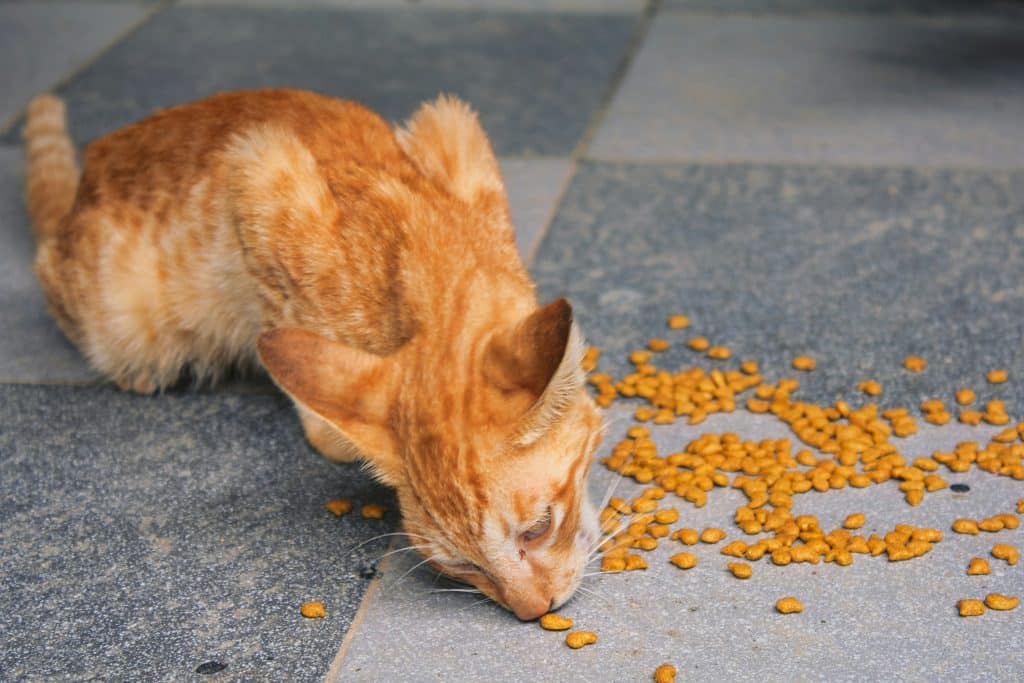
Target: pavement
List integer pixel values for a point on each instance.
(841, 178)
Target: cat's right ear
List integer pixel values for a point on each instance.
(349, 388)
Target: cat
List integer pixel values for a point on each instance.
(372, 271)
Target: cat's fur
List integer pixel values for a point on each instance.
(373, 272)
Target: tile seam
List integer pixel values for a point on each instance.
(77, 70)
(371, 591)
(579, 150)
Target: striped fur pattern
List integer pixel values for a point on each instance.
(373, 272)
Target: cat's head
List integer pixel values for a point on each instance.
(489, 459)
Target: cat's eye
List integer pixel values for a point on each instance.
(539, 528)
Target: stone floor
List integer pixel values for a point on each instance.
(843, 179)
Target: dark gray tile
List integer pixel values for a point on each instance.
(32, 348)
(713, 627)
(846, 6)
(535, 78)
(863, 90)
(856, 267)
(40, 43)
(143, 537)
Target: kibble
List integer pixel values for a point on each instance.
(373, 511)
(996, 376)
(854, 521)
(1005, 551)
(789, 605)
(978, 566)
(313, 610)
(712, 535)
(740, 570)
(578, 639)
(970, 607)
(915, 363)
(678, 321)
(805, 363)
(684, 560)
(339, 506)
(555, 622)
(1001, 602)
(666, 673)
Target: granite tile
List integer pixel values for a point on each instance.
(535, 78)
(586, 6)
(845, 6)
(32, 348)
(873, 620)
(533, 186)
(855, 267)
(858, 90)
(145, 537)
(41, 43)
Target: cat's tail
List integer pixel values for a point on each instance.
(51, 171)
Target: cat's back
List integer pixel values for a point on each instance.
(156, 160)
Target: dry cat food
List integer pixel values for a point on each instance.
(313, 610)
(1005, 551)
(684, 560)
(666, 673)
(339, 506)
(373, 511)
(789, 605)
(1001, 602)
(978, 566)
(805, 363)
(970, 607)
(578, 639)
(555, 622)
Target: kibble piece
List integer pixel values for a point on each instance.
(635, 562)
(971, 417)
(613, 564)
(750, 367)
(666, 673)
(658, 344)
(719, 353)
(735, 549)
(684, 560)
(740, 570)
(966, 526)
(1001, 602)
(991, 524)
(646, 543)
(965, 397)
(854, 521)
(970, 607)
(914, 363)
(313, 610)
(578, 639)
(712, 535)
(870, 387)
(1005, 551)
(373, 511)
(978, 566)
(699, 343)
(678, 321)
(339, 506)
(555, 622)
(805, 363)
(789, 605)
(667, 516)
(686, 536)
(1020, 505)
(996, 376)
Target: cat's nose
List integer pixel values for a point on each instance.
(533, 608)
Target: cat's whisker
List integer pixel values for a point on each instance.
(413, 568)
(591, 592)
(404, 549)
(456, 590)
(380, 536)
(477, 603)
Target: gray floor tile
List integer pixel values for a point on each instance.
(857, 268)
(872, 620)
(503, 63)
(41, 43)
(849, 90)
(533, 186)
(845, 6)
(143, 537)
(32, 349)
(588, 6)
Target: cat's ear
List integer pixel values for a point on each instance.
(347, 387)
(540, 360)
(446, 142)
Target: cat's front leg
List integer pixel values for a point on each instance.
(327, 440)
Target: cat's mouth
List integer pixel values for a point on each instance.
(527, 608)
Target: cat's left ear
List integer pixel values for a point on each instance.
(538, 363)
(445, 140)
(349, 388)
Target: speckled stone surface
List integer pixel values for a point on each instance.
(144, 537)
(855, 267)
(536, 79)
(588, 6)
(873, 620)
(68, 32)
(533, 186)
(835, 89)
(886, 7)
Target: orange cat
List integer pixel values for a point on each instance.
(373, 272)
